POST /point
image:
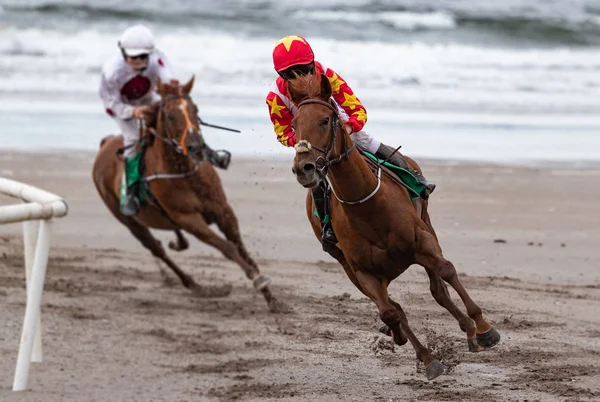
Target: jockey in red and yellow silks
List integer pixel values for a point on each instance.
(294, 51)
(293, 56)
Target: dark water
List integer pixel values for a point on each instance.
(530, 23)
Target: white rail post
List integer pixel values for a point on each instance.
(32, 310)
(30, 233)
(41, 206)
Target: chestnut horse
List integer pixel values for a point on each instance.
(187, 191)
(380, 232)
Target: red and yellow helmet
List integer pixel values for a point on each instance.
(291, 51)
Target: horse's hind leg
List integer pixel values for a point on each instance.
(145, 237)
(393, 316)
(430, 256)
(181, 242)
(439, 291)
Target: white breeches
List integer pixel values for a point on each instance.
(365, 141)
(131, 135)
(362, 139)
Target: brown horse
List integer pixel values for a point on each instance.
(187, 191)
(380, 231)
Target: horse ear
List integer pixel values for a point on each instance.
(326, 90)
(160, 88)
(187, 88)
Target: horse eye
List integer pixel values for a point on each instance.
(325, 121)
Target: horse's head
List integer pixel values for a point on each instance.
(317, 125)
(177, 119)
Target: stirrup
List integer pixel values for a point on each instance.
(131, 206)
(328, 238)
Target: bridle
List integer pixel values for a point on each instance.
(322, 162)
(179, 146)
(326, 160)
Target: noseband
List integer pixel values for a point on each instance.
(324, 161)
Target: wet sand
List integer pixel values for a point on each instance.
(525, 241)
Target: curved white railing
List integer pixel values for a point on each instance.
(39, 205)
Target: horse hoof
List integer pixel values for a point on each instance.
(279, 307)
(399, 340)
(488, 339)
(177, 246)
(434, 370)
(261, 282)
(474, 346)
(384, 329)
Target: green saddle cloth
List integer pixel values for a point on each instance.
(414, 187)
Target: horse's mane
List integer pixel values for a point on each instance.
(305, 87)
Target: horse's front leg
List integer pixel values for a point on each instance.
(393, 316)
(195, 224)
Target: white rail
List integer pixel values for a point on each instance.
(39, 205)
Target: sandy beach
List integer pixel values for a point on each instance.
(524, 239)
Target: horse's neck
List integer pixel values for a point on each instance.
(351, 178)
(165, 159)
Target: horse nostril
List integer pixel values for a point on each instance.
(309, 168)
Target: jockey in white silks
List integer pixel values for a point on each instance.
(128, 88)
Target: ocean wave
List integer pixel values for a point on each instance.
(511, 22)
(238, 72)
(402, 20)
(584, 30)
(130, 11)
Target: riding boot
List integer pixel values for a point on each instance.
(384, 152)
(328, 239)
(132, 204)
(220, 159)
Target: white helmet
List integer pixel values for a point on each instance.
(137, 40)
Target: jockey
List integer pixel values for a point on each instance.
(293, 55)
(128, 88)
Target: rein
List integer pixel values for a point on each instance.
(336, 123)
(180, 146)
(327, 159)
